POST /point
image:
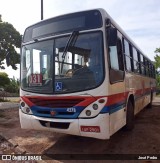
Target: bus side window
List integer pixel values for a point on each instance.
(127, 55)
(135, 60)
(115, 56)
(120, 54)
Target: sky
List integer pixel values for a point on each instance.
(140, 19)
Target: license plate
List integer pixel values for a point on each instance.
(90, 129)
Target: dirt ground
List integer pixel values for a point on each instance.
(144, 139)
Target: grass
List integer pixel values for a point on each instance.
(8, 99)
(158, 95)
(15, 100)
(1, 100)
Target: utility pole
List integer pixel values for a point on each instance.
(41, 9)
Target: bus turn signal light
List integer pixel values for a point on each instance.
(101, 101)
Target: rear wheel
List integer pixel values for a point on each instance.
(129, 116)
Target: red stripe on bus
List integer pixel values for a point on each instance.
(85, 101)
(27, 101)
(116, 98)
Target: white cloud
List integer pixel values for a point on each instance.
(147, 45)
(20, 13)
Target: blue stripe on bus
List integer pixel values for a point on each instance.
(63, 113)
(60, 112)
(113, 108)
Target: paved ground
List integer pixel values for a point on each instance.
(7, 105)
(156, 101)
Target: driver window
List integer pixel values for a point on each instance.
(114, 57)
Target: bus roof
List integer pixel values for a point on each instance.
(105, 15)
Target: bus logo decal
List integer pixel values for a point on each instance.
(53, 113)
(58, 86)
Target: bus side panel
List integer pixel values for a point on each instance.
(117, 102)
(117, 120)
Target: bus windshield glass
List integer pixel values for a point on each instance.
(45, 68)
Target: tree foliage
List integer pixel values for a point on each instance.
(157, 58)
(157, 50)
(10, 39)
(13, 86)
(157, 66)
(4, 80)
(10, 85)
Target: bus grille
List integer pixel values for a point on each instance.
(59, 125)
(55, 103)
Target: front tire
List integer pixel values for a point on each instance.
(129, 116)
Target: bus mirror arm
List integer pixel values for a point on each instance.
(108, 23)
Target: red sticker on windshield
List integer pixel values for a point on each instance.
(35, 80)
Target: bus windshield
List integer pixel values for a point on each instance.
(51, 67)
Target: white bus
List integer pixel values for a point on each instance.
(82, 75)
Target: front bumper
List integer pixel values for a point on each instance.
(67, 126)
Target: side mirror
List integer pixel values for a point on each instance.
(112, 36)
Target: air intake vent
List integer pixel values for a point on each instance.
(58, 125)
(55, 103)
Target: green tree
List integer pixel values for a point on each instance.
(10, 39)
(13, 86)
(4, 80)
(157, 66)
(157, 50)
(157, 58)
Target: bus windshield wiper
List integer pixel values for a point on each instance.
(71, 41)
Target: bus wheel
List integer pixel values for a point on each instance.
(129, 117)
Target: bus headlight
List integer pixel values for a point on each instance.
(25, 108)
(22, 104)
(88, 112)
(94, 108)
